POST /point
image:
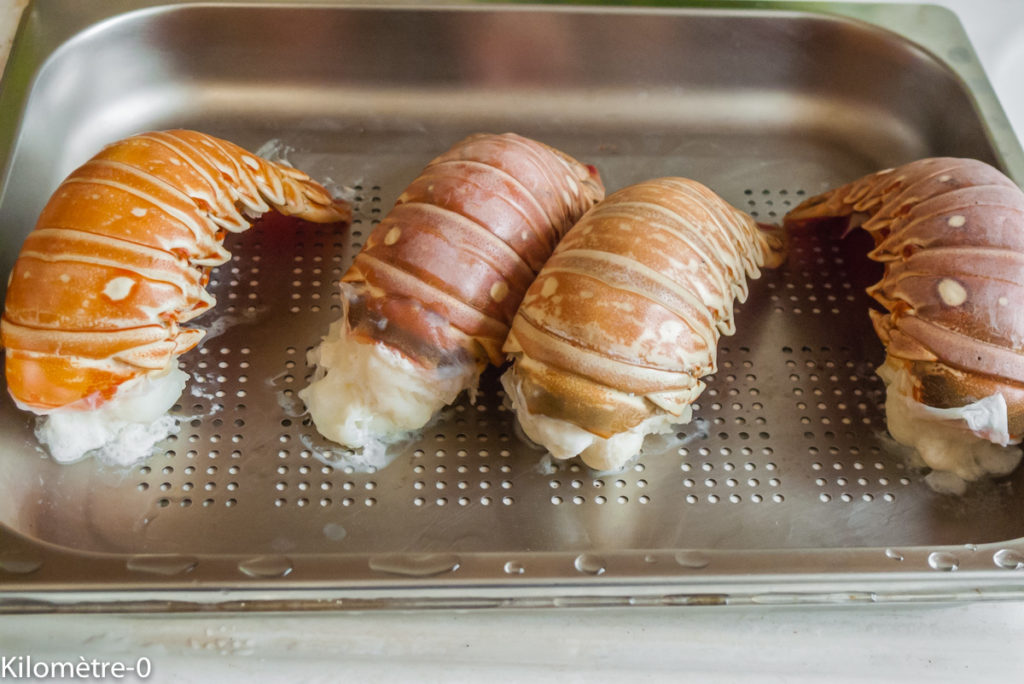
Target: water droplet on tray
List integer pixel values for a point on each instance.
(514, 568)
(267, 566)
(694, 560)
(894, 554)
(163, 564)
(335, 532)
(941, 560)
(415, 564)
(1009, 559)
(20, 565)
(590, 564)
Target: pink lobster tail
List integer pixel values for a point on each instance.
(449, 264)
(950, 233)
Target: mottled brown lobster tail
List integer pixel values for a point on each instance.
(623, 321)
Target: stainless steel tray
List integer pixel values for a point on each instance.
(785, 488)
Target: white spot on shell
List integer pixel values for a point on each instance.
(391, 237)
(951, 292)
(499, 291)
(65, 278)
(549, 287)
(1003, 301)
(586, 294)
(670, 330)
(175, 161)
(118, 288)
(572, 185)
(251, 162)
(956, 220)
(945, 178)
(139, 212)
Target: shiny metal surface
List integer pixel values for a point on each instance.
(785, 488)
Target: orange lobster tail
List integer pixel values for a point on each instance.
(120, 255)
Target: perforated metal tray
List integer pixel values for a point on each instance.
(785, 488)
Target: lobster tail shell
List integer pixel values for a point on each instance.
(440, 278)
(119, 259)
(950, 233)
(624, 319)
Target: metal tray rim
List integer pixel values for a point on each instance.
(944, 573)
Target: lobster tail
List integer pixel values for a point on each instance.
(119, 256)
(950, 233)
(621, 324)
(439, 279)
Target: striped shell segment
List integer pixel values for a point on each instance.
(441, 276)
